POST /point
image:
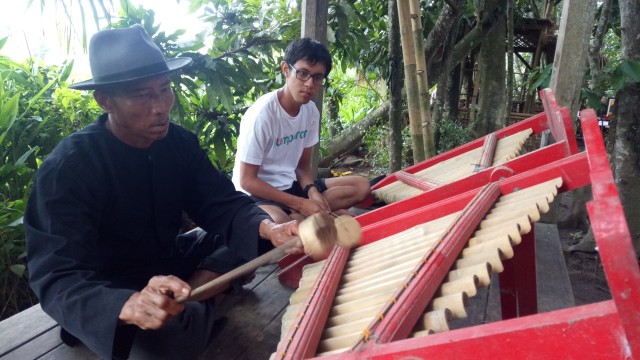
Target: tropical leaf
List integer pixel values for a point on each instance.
(631, 69)
(8, 113)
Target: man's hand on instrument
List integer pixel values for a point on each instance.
(281, 234)
(320, 200)
(316, 203)
(156, 304)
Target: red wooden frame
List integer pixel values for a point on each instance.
(554, 119)
(604, 330)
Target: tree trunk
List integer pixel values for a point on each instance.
(492, 78)
(468, 76)
(396, 123)
(436, 45)
(510, 35)
(411, 81)
(596, 43)
(626, 149)
(334, 125)
(447, 36)
(423, 83)
(570, 60)
(453, 93)
(351, 138)
(531, 98)
(473, 108)
(314, 26)
(470, 42)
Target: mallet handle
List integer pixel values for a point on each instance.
(244, 269)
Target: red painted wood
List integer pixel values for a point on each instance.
(584, 332)
(604, 330)
(500, 172)
(508, 292)
(524, 260)
(402, 221)
(416, 181)
(395, 217)
(291, 274)
(488, 152)
(560, 122)
(304, 335)
(574, 171)
(523, 163)
(537, 123)
(611, 232)
(289, 259)
(411, 302)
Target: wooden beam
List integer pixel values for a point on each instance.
(314, 19)
(314, 26)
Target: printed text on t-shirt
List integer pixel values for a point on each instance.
(285, 140)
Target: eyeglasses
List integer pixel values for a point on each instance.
(304, 75)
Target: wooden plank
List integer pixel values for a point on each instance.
(253, 319)
(49, 346)
(23, 327)
(64, 352)
(269, 336)
(554, 287)
(36, 347)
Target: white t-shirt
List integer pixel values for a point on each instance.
(273, 139)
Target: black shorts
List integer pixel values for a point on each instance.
(295, 190)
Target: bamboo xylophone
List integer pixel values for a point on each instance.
(455, 168)
(378, 272)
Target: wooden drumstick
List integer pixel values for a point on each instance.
(318, 234)
(214, 285)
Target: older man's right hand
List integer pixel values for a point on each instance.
(280, 234)
(156, 304)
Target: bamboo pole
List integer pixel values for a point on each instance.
(423, 84)
(406, 36)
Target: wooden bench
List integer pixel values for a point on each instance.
(253, 318)
(32, 334)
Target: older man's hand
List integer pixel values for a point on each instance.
(156, 304)
(282, 234)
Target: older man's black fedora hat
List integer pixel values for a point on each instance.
(124, 55)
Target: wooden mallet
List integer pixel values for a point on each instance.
(318, 234)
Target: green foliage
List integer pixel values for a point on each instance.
(626, 72)
(35, 114)
(377, 143)
(451, 134)
(365, 93)
(539, 78)
(357, 34)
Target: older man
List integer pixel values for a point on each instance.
(102, 221)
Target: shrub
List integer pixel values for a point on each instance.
(35, 114)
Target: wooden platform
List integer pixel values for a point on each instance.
(253, 313)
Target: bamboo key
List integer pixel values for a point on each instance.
(318, 234)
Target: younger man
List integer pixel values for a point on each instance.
(277, 135)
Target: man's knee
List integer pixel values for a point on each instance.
(362, 187)
(359, 187)
(278, 215)
(184, 337)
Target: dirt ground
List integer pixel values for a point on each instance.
(585, 270)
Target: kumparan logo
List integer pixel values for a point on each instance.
(286, 140)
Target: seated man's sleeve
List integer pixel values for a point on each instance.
(61, 222)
